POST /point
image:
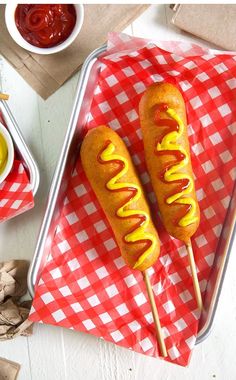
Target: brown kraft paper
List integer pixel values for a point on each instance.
(214, 23)
(46, 73)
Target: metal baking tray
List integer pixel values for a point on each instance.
(20, 146)
(84, 94)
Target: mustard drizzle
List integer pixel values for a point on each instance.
(3, 153)
(139, 233)
(169, 142)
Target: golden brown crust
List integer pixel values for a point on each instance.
(98, 175)
(168, 94)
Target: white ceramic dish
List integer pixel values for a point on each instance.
(10, 150)
(17, 37)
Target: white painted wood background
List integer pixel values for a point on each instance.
(53, 353)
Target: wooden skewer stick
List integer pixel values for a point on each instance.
(194, 275)
(4, 96)
(156, 319)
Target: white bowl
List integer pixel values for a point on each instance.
(17, 37)
(10, 151)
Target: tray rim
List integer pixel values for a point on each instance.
(57, 177)
(32, 274)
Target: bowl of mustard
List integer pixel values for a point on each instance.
(6, 153)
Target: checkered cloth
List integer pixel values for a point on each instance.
(15, 192)
(85, 284)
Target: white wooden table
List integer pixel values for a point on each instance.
(53, 353)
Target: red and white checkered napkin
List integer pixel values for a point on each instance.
(15, 192)
(85, 284)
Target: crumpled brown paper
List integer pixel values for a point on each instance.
(13, 313)
(8, 369)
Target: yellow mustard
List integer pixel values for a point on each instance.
(3, 153)
(113, 184)
(169, 142)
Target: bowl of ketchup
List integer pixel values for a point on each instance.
(44, 28)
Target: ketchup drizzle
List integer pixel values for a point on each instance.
(171, 126)
(133, 192)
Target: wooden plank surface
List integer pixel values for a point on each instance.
(59, 354)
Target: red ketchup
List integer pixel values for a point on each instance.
(133, 192)
(171, 126)
(45, 25)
